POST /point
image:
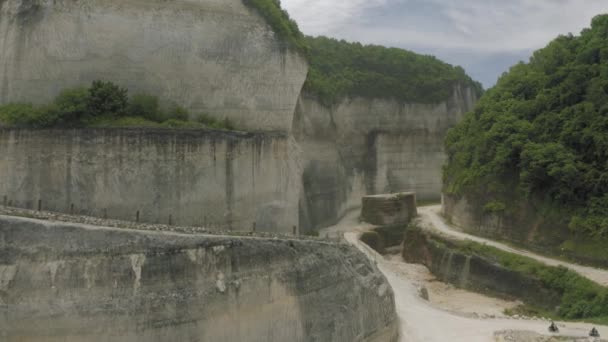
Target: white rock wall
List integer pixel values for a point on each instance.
(69, 283)
(371, 146)
(212, 56)
(216, 179)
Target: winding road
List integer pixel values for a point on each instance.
(423, 322)
(431, 219)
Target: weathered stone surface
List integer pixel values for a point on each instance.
(370, 146)
(213, 56)
(193, 177)
(473, 272)
(63, 282)
(389, 209)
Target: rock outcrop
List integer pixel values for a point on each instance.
(227, 180)
(454, 264)
(63, 282)
(370, 146)
(389, 209)
(217, 57)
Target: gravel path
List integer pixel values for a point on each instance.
(431, 219)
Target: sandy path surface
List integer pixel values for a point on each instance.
(431, 219)
(449, 297)
(422, 321)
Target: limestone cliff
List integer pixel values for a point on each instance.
(190, 177)
(213, 56)
(369, 146)
(63, 282)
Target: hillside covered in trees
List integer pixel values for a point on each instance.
(541, 136)
(339, 69)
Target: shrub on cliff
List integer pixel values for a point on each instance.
(104, 104)
(278, 19)
(145, 106)
(73, 105)
(339, 69)
(107, 98)
(27, 115)
(542, 133)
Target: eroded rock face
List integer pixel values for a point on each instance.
(63, 282)
(218, 179)
(371, 146)
(212, 56)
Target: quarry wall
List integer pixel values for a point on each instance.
(218, 179)
(217, 57)
(65, 282)
(470, 271)
(369, 146)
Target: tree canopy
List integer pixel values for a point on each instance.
(339, 69)
(542, 132)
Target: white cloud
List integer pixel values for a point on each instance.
(482, 25)
(321, 17)
(484, 36)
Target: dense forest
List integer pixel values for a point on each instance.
(339, 68)
(541, 134)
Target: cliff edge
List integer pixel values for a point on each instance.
(217, 57)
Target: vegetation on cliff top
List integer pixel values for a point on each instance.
(339, 69)
(542, 133)
(103, 104)
(278, 19)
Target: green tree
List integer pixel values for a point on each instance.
(542, 132)
(106, 98)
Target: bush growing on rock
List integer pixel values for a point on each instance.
(73, 105)
(281, 23)
(145, 106)
(106, 98)
(104, 104)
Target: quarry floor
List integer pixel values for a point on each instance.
(451, 314)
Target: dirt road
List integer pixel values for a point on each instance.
(431, 219)
(423, 322)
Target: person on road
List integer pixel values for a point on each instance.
(553, 328)
(594, 333)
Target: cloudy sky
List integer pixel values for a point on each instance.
(483, 36)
